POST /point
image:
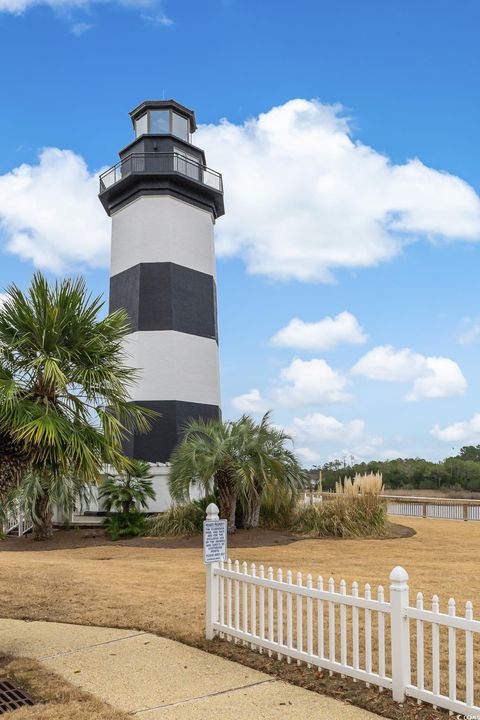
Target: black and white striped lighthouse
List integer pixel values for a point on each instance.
(163, 201)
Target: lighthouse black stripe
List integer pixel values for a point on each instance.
(167, 429)
(166, 296)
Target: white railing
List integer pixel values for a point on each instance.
(17, 520)
(442, 508)
(365, 638)
(422, 507)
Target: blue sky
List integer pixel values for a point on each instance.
(345, 199)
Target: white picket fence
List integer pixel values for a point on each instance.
(366, 638)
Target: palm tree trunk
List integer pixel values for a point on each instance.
(252, 511)
(227, 498)
(249, 517)
(42, 518)
(13, 465)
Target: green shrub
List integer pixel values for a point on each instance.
(179, 520)
(342, 516)
(122, 525)
(125, 492)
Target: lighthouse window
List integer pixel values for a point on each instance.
(141, 127)
(180, 126)
(159, 122)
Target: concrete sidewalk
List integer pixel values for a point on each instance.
(158, 679)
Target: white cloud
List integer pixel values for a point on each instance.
(433, 377)
(79, 28)
(50, 213)
(322, 335)
(308, 382)
(158, 18)
(319, 428)
(250, 402)
(308, 456)
(467, 431)
(302, 383)
(322, 436)
(154, 14)
(470, 332)
(442, 378)
(305, 198)
(386, 363)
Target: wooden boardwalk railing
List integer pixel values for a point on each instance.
(413, 506)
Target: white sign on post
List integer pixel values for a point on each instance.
(214, 541)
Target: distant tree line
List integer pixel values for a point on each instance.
(459, 472)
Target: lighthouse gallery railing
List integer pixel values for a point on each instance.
(156, 162)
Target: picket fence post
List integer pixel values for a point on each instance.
(400, 633)
(211, 609)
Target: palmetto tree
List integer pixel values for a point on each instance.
(208, 458)
(123, 493)
(237, 459)
(13, 465)
(270, 469)
(64, 403)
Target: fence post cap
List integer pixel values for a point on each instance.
(212, 512)
(399, 575)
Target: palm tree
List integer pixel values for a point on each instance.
(123, 493)
(236, 459)
(64, 402)
(63, 492)
(270, 469)
(208, 458)
(13, 465)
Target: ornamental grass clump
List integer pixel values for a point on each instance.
(179, 520)
(368, 484)
(344, 515)
(277, 512)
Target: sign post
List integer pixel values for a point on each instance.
(214, 551)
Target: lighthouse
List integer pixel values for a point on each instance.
(163, 201)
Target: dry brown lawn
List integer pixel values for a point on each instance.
(158, 585)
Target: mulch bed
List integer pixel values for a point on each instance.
(94, 537)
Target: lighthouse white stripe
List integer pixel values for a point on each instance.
(174, 366)
(161, 228)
